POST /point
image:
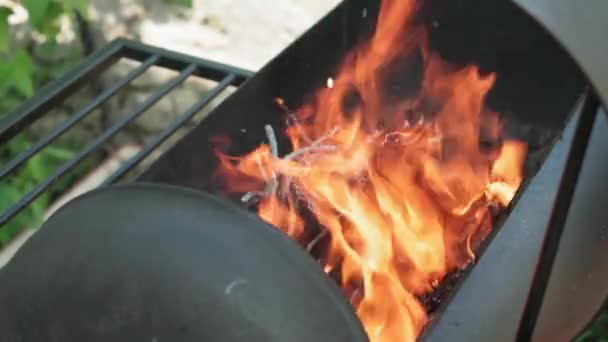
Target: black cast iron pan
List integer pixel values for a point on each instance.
(156, 263)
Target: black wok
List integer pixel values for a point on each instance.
(156, 263)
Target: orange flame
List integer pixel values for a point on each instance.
(401, 185)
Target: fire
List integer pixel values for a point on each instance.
(390, 192)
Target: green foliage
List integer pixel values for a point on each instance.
(16, 68)
(37, 11)
(185, 3)
(4, 29)
(21, 72)
(44, 14)
(598, 331)
(16, 78)
(79, 6)
(35, 171)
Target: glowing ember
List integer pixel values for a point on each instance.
(389, 192)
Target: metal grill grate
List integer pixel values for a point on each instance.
(56, 92)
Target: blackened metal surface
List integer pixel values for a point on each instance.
(579, 279)
(157, 263)
(557, 220)
(74, 119)
(57, 91)
(135, 112)
(152, 145)
(178, 61)
(581, 27)
(489, 303)
(537, 84)
(494, 34)
(500, 37)
(301, 68)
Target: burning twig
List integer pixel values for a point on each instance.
(250, 195)
(314, 146)
(316, 240)
(307, 149)
(470, 251)
(273, 184)
(272, 140)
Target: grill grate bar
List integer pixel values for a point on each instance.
(168, 131)
(55, 92)
(74, 119)
(132, 115)
(175, 60)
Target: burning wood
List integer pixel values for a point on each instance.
(273, 185)
(404, 188)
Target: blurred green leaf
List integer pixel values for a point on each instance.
(60, 153)
(8, 104)
(17, 144)
(20, 74)
(37, 168)
(4, 28)
(37, 10)
(81, 6)
(50, 26)
(5, 78)
(185, 3)
(23, 72)
(47, 48)
(8, 195)
(38, 208)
